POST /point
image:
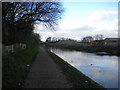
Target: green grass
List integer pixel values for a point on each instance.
(14, 69)
(76, 77)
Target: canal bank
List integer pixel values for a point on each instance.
(101, 69)
(78, 79)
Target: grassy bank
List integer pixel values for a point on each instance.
(78, 79)
(15, 69)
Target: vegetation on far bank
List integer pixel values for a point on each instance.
(93, 49)
(87, 44)
(15, 67)
(111, 50)
(78, 79)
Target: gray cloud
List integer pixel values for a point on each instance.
(85, 28)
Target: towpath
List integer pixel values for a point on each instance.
(45, 73)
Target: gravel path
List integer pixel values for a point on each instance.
(44, 73)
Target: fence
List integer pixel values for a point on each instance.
(13, 48)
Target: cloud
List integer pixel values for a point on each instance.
(97, 22)
(103, 15)
(84, 28)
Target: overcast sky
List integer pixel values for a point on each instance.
(82, 19)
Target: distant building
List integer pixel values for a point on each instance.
(112, 41)
(107, 42)
(96, 42)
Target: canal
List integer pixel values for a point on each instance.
(101, 69)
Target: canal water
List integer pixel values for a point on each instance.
(101, 69)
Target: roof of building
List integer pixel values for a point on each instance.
(112, 39)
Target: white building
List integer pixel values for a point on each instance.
(112, 41)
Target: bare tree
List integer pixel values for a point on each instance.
(19, 12)
(87, 39)
(99, 37)
(21, 15)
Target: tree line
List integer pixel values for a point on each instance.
(19, 18)
(84, 39)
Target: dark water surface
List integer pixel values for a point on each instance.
(102, 69)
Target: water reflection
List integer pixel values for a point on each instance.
(102, 69)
